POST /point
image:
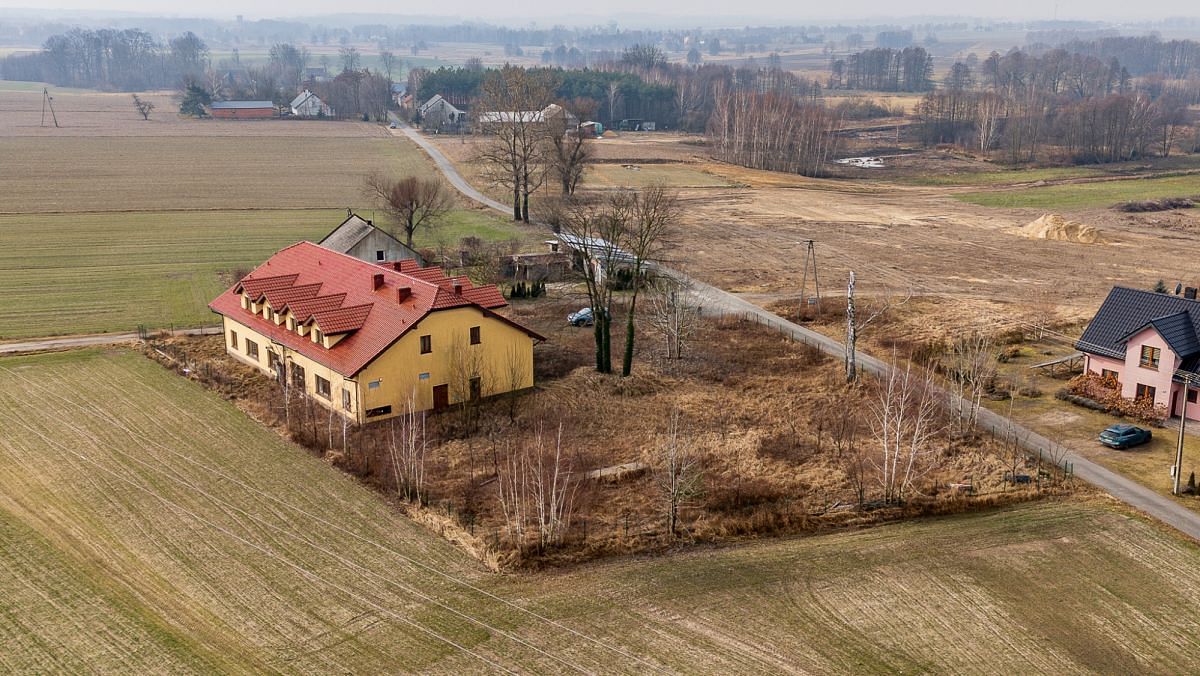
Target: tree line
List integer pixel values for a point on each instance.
(124, 60)
(1056, 105)
(884, 69)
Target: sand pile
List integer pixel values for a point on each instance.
(1055, 227)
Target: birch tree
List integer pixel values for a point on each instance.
(971, 369)
(671, 314)
(406, 449)
(677, 472)
(904, 421)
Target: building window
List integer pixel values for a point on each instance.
(374, 384)
(297, 375)
(476, 389)
(379, 255)
(1144, 392)
(291, 323)
(426, 344)
(475, 335)
(252, 349)
(381, 410)
(1150, 357)
(273, 361)
(1191, 395)
(320, 338)
(346, 399)
(322, 386)
(1109, 376)
(233, 339)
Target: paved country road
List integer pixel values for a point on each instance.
(716, 301)
(446, 167)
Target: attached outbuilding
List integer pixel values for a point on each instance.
(359, 237)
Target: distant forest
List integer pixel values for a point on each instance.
(1083, 106)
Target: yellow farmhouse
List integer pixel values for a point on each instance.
(368, 340)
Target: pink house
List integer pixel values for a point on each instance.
(1149, 343)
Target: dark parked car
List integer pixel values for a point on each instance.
(581, 318)
(1124, 436)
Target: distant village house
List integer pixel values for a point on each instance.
(308, 104)
(439, 114)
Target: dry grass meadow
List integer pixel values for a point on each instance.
(943, 226)
(113, 221)
(146, 525)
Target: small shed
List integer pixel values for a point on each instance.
(553, 266)
(360, 238)
(243, 110)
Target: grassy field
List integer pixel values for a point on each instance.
(1003, 177)
(1086, 195)
(147, 525)
(113, 221)
(156, 268)
(112, 271)
(251, 172)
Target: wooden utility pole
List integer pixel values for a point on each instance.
(48, 100)
(851, 330)
(811, 254)
(1178, 469)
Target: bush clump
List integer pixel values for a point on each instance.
(1164, 204)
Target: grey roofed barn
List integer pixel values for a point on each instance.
(239, 105)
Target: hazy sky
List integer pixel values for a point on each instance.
(544, 12)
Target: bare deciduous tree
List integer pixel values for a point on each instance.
(509, 103)
(537, 485)
(855, 326)
(388, 60)
(466, 371)
(596, 231)
(412, 202)
(677, 472)
(407, 451)
(143, 106)
(671, 314)
(971, 369)
(570, 151)
(904, 421)
(651, 215)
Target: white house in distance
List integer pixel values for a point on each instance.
(307, 104)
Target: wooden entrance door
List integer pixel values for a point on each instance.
(441, 397)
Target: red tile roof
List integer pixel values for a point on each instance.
(338, 293)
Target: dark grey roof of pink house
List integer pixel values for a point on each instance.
(1126, 312)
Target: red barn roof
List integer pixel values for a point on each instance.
(374, 304)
